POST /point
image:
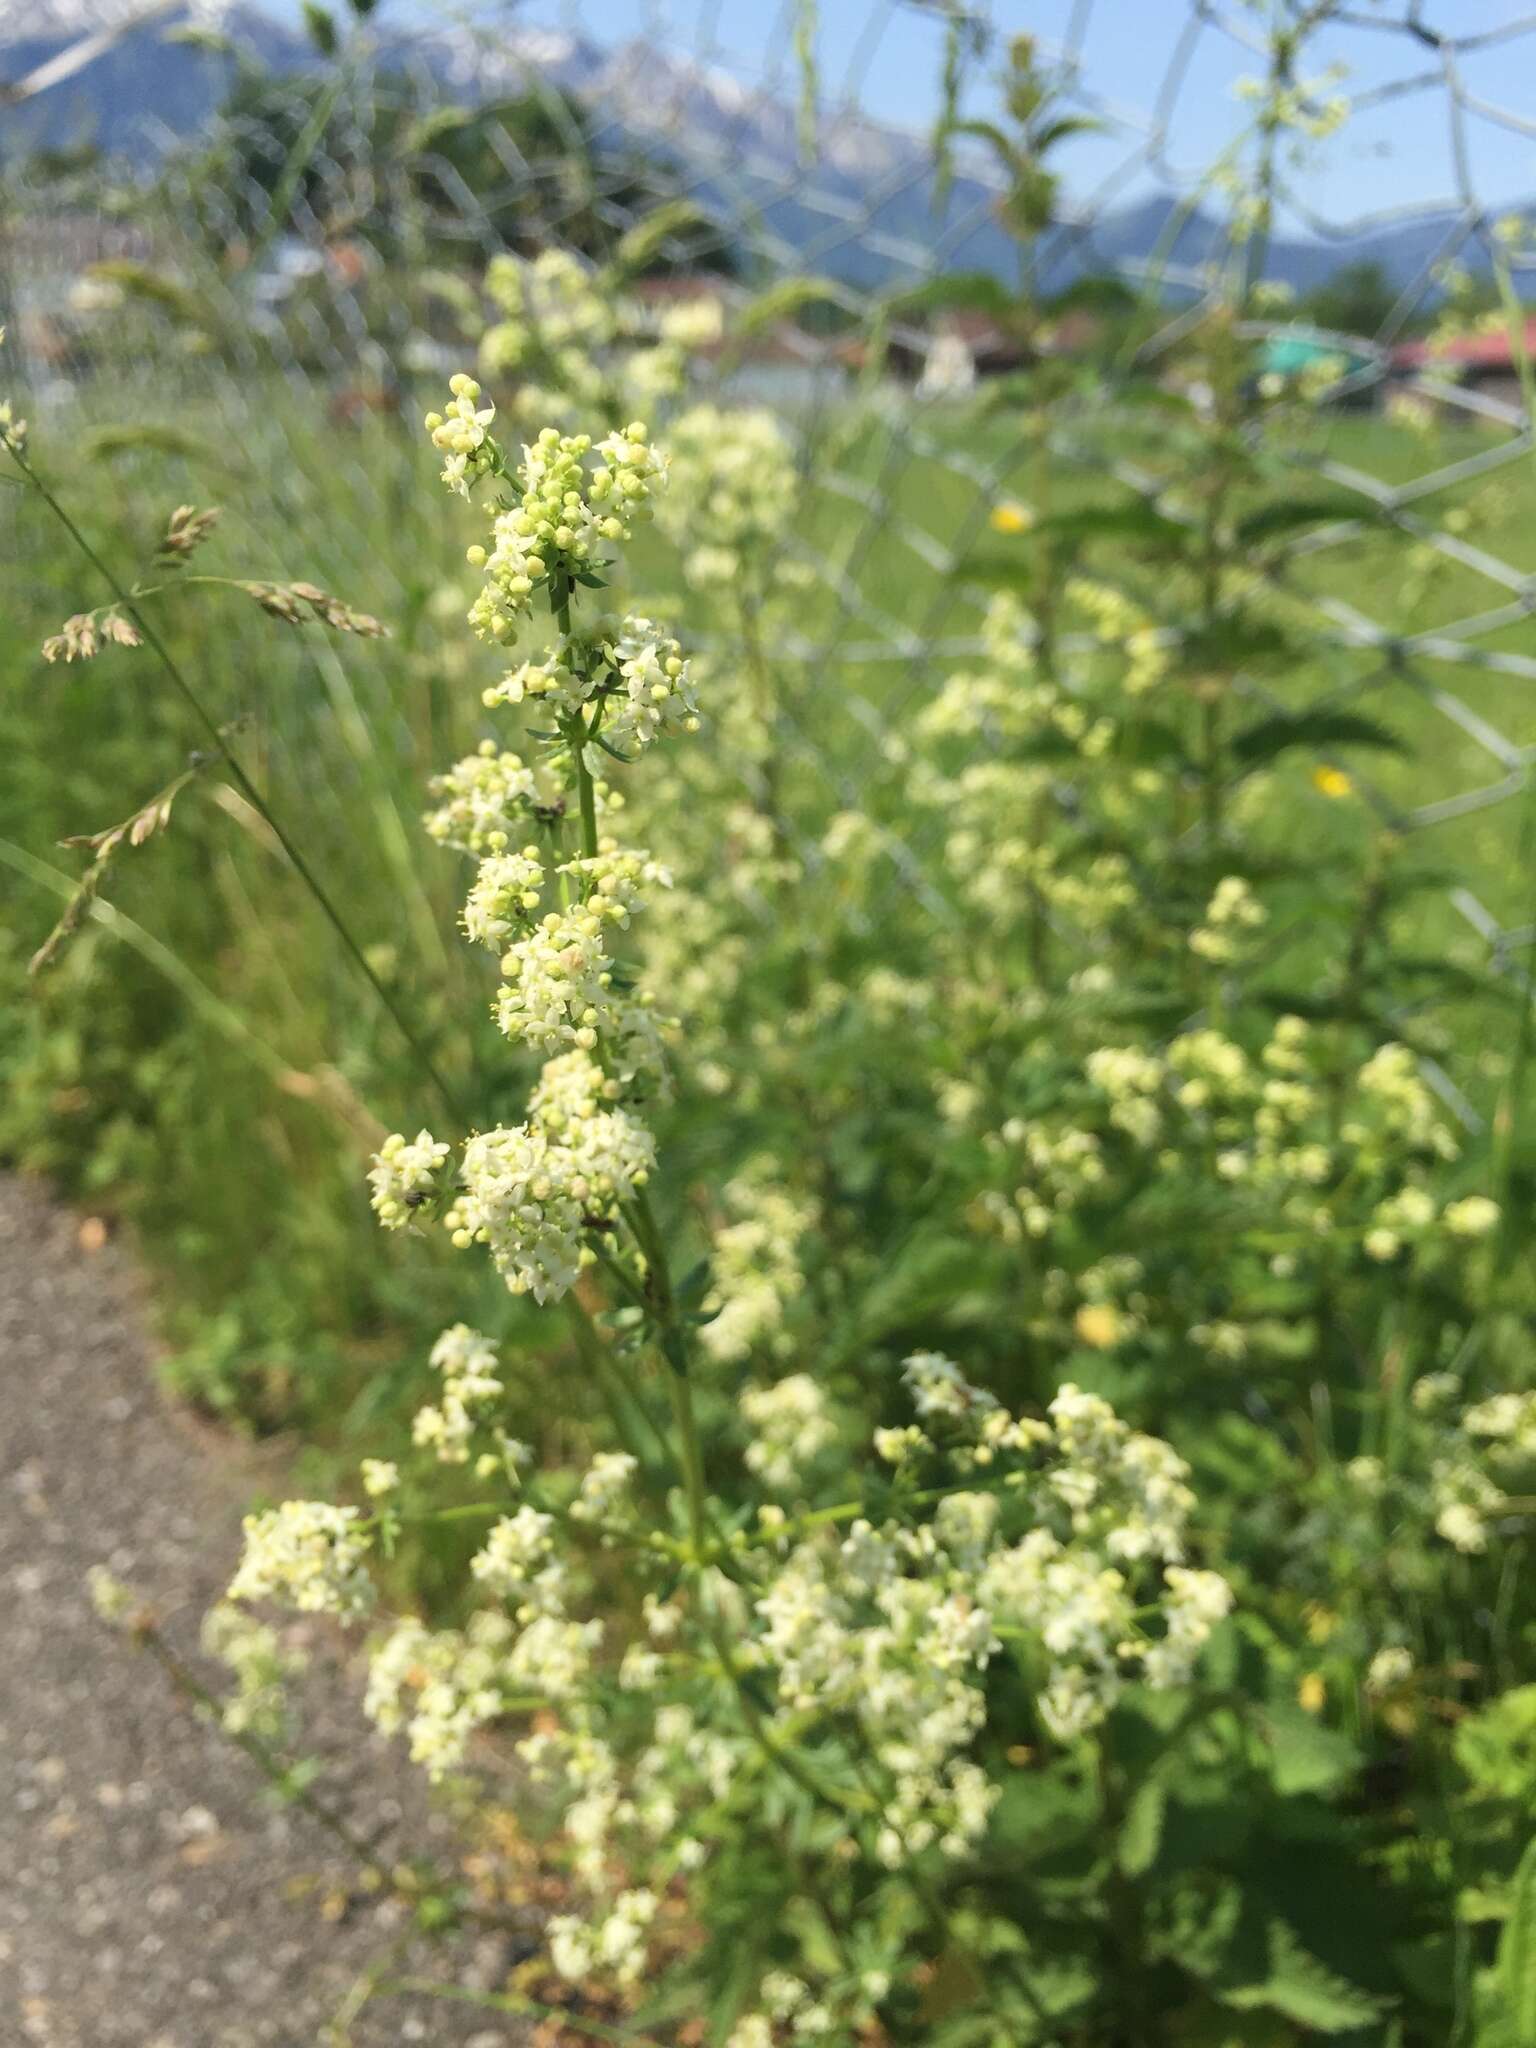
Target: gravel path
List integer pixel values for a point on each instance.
(151, 1894)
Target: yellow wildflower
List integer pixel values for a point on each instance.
(1011, 517)
(1100, 1324)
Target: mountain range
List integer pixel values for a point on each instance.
(864, 211)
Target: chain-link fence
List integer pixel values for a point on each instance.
(313, 215)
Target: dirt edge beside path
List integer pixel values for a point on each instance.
(152, 1895)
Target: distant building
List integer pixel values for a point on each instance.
(1484, 361)
(992, 348)
(949, 371)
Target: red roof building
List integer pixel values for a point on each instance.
(1484, 360)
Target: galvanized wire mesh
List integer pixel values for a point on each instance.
(800, 134)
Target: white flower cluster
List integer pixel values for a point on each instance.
(612, 881)
(791, 1428)
(557, 982)
(306, 1554)
(558, 988)
(485, 799)
(1402, 1103)
(576, 341)
(1455, 1469)
(896, 1625)
(472, 1388)
(263, 1667)
(517, 1564)
(637, 671)
(1469, 1479)
(1069, 1533)
(505, 893)
(553, 683)
(1465, 1498)
(1390, 1669)
(732, 495)
(565, 513)
(1132, 1080)
(469, 451)
(1315, 1160)
(1149, 654)
(654, 695)
(605, 1487)
(1232, 918)
(555, 314)
(441, 1685)
(754, 1264)
(404, 1176)
(455, 1680)
(531, 1192)
(989, 772)
(614, 1948)
(538, 1194)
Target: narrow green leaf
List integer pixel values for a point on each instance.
(645, 241)
(1515, 1967)
(1314, 729)
(1286, 514)
(1131, 519)
(783, 301)
(322, 28)
(694, 1284)
(96, 442)
(140, 281)
(1142, 1833)
(1014, 568)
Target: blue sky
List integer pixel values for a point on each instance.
(1397, 152)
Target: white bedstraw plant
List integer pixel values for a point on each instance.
(816, 1631)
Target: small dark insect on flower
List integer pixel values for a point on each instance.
(416, 1197)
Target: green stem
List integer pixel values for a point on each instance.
(692, 1460)
(674, 1348)
(297, 162)
(620, 1394)
(586, 794)
(282, 1778)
